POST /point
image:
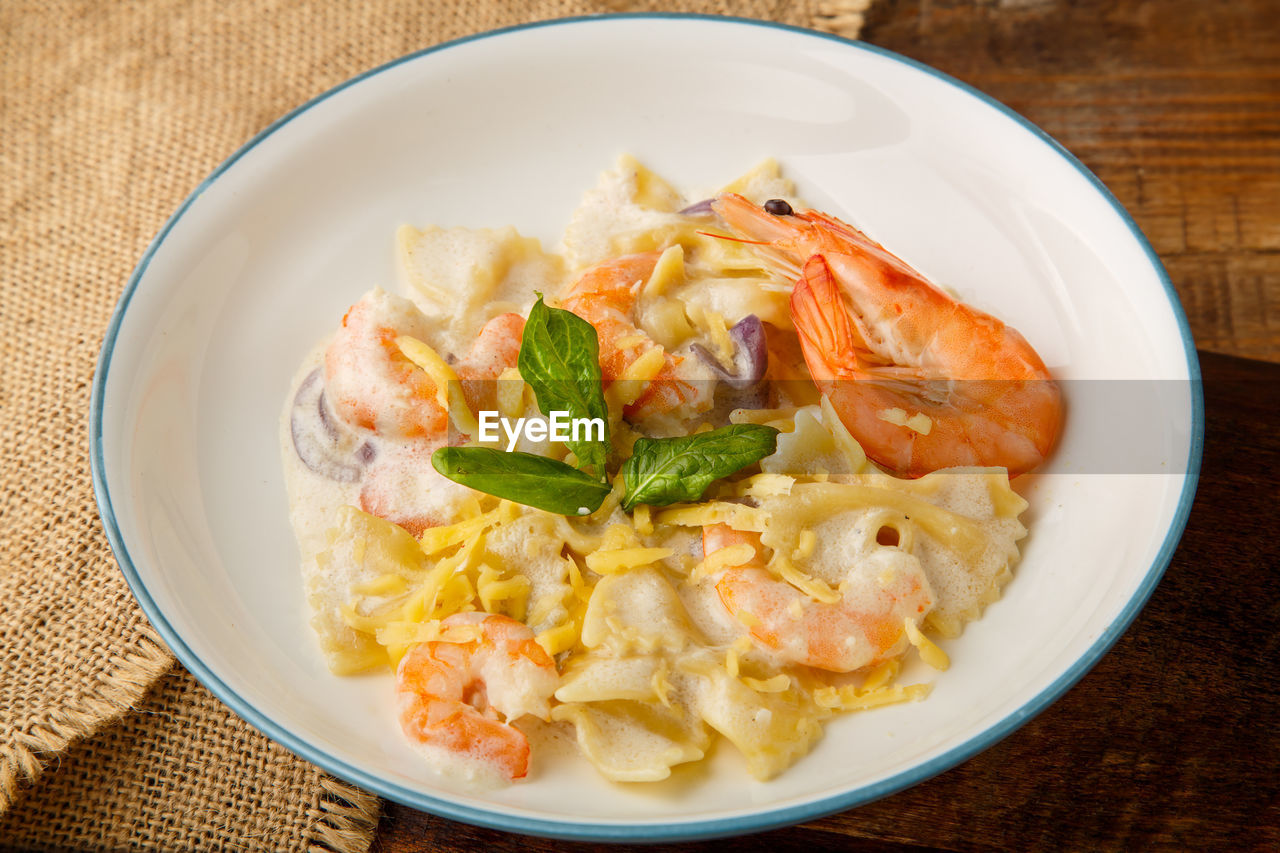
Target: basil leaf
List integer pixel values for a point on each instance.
(663, 471)
(525, 478)
(560, 359)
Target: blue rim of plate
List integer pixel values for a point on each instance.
(689, 829)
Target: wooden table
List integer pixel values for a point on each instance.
(1173, 740)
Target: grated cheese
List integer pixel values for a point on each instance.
(737, 516)
(609, 562)
(930, 653)
(448, 386)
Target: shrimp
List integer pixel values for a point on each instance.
(372, 384)
(884, 343)
(403, 487)
(605, 296)
(452, 694)
(496, 348)
(866, 626)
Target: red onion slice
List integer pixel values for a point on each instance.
(750, 355)
(702, 208)
(322, 441)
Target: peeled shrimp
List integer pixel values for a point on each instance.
(866, 626)
(605, 296)
(495, 349)
(455, 695)
(887, 346)
(371, 383)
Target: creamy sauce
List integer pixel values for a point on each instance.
(652, 664)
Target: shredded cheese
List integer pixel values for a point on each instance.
(816, 589)
(776, 684)
(882, 674)
(807, 541)
(795, 610)
(635, 378)
(448, 386)
(919, 422)
(716, 331)
(765, 486)
(737, 516)
(765, 416)
(930, 653)
(388, 584)
(511, 393)
(723, 558)
(609, 562)
(512, 592)
(559, 639)
(641, 519)
(855, 699)
(436, 539)
(895, 416)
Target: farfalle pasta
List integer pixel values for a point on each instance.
(716, 556)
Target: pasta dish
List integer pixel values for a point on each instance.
(709, 469)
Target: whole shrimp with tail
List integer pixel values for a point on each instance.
(887, 347)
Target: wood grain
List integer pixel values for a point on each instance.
(1171, 742)
(1174, 105)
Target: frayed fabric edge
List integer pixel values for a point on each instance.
(24, 755)
(841, 17)
(345, 818)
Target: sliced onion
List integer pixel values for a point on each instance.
(750, 355)
(702, 208)
(323, 442)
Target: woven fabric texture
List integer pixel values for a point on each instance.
(194, 778)
(110, 115)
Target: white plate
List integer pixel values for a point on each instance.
(510, 128)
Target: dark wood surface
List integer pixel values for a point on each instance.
(1174, 104)
(1172, 742)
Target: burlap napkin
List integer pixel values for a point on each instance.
(110, 114)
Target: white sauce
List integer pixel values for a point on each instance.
(654, 682)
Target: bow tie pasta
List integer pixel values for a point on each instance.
(703, 596)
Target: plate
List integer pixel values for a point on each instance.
(510, 128)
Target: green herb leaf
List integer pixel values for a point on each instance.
(525, 478)
(560, 359)
(663, 471)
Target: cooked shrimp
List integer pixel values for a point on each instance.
(453, 695)
(403, 487)
(372, 384)
(866, 626)
(605, 296)
(496, 348)
(886, 346)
